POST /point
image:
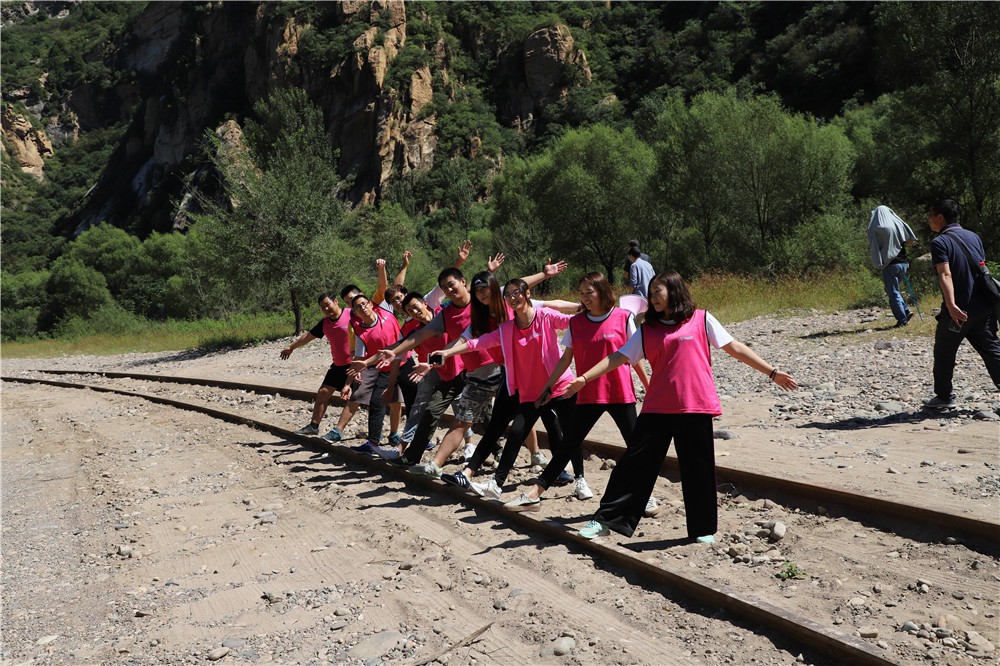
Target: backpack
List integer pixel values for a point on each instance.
(988, 286)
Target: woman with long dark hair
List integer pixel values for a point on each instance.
(593, 334)
(680, 404)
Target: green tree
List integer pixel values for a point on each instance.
(945, 58)
(278, 229)
(74, 290)
(591, 190)
(747, 173)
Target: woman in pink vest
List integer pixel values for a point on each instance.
(681, 402)
(592, 335)
(529, 344)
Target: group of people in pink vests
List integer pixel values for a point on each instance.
(502, 359)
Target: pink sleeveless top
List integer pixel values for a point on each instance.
(682, 380)
(592, 343)
(336, 331)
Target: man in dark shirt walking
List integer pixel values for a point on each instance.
(965, 313)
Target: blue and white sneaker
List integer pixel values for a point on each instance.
(367, 447)
(457, 479)
(333, 436)
(564, 479)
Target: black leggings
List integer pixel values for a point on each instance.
(552, 414)
(584, 419)
(633, 479)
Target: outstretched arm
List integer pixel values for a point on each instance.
(744, 354)
(603, 367)
(561, 366)
(640, 372)
(302, 339)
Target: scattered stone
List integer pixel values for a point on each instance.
(910, 627)
(724, 434)
(888, 406)
(563, 646)
(892, 470)
(868, 632)
(500, 605)
(777, 531)
(234, 642)
(377, 645)
(608, 464)
(341, 612)
(218, 653)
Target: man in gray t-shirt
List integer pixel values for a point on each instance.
(640, 272)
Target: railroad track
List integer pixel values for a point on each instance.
(824, 640)
(919, 522)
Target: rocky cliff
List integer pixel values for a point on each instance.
(195, 66)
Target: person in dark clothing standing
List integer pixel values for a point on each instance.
(965, 313)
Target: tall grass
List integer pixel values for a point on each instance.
(235, 331)
(730, 298)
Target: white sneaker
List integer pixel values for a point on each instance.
(652, 507)
(538, 458)
(489, 489)
(470, 449)
(524, 503)
(582, 490)
(388, 453)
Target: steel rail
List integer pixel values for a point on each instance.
(874, 510)
(839, 647)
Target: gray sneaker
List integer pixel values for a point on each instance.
(523, 503)
(310, 430)
(940, 403)
(428, 469)
(538, 458)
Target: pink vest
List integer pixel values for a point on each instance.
(338, 335)
(433, 344)
(682, 381)
(385, 332)
(592, 343)
(456, 320)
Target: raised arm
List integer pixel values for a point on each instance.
(550, 269)
(401, 275)
(744, 354)
(559, 304)
(383, 282)
(463, 253)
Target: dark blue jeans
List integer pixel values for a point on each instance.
(891, 275)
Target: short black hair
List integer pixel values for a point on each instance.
(634, 252)
(450, 272)
(325, 295)
(946, 207)
(411, 296)
(348, 289)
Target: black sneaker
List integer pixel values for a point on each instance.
(456, 479)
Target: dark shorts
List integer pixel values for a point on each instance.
(336, 376)
(372, 380)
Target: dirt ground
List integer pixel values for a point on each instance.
(134, 533)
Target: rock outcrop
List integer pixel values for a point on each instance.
(28, 146)
(548, 64)
(197, 65)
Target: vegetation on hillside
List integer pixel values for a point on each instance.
(749, 138)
